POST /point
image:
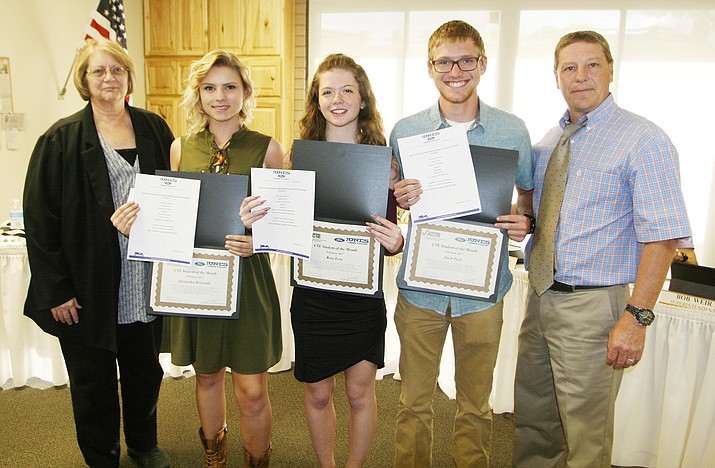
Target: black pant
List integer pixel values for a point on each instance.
(94, 389)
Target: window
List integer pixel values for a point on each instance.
(664, 67)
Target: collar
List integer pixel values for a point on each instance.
(211, 140)
(603, 111)
(435, 116)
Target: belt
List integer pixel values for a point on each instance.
(563, 287)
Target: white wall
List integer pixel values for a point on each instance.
(40, 37)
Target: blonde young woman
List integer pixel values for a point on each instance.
(337, 332)
(219, 101)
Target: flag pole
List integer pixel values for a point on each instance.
(61, 95)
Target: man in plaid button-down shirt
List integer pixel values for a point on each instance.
(620, 222)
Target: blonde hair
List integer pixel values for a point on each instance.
(195, 116)
(101, 45)
(455, 30)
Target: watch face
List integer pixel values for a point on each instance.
(644, 316)
(647, 316)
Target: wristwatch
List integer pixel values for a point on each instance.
(644, 316)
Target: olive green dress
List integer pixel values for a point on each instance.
(253, 343)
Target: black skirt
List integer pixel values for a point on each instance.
(334, 331)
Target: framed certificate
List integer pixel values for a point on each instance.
(459, 258)
(344, 258)
(209, 287)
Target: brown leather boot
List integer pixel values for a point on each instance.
(215, 455)
(253, 462)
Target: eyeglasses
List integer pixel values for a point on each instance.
(100, 72)
(219, 162)
(444, 65)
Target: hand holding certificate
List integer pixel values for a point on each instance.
(463, 257)
(287, 227)
(441, 161)
(351, 183)
(219, 203)
(165, 226)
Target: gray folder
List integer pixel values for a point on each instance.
(495, 170)
(220, 199)
(351, 180)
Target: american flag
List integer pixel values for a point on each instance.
(108, 22)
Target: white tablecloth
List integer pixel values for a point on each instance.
(28, 356)
(665, 413)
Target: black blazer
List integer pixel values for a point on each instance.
(72, 246)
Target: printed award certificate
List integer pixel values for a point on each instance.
(442, 162)
(345, 258)
(165, 227)
(287, 228)
(451, 257)
(209, 287)
(220, 200)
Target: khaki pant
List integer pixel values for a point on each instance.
(476, 342)
(565, 394)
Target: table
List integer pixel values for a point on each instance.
(665, 412)
(28, 356)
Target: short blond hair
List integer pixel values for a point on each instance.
(455, 30)
(101, 45)
(195, 116)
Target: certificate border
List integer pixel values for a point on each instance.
(457, 289)
(197, 310)
(371, 288)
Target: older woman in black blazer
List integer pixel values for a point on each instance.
(82, 289)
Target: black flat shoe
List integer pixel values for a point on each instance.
(152, 458)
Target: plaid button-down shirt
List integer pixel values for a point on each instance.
(623, 190)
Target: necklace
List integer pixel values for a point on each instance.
(219, 160)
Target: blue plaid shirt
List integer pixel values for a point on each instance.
(494, 128)
(623, 190)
